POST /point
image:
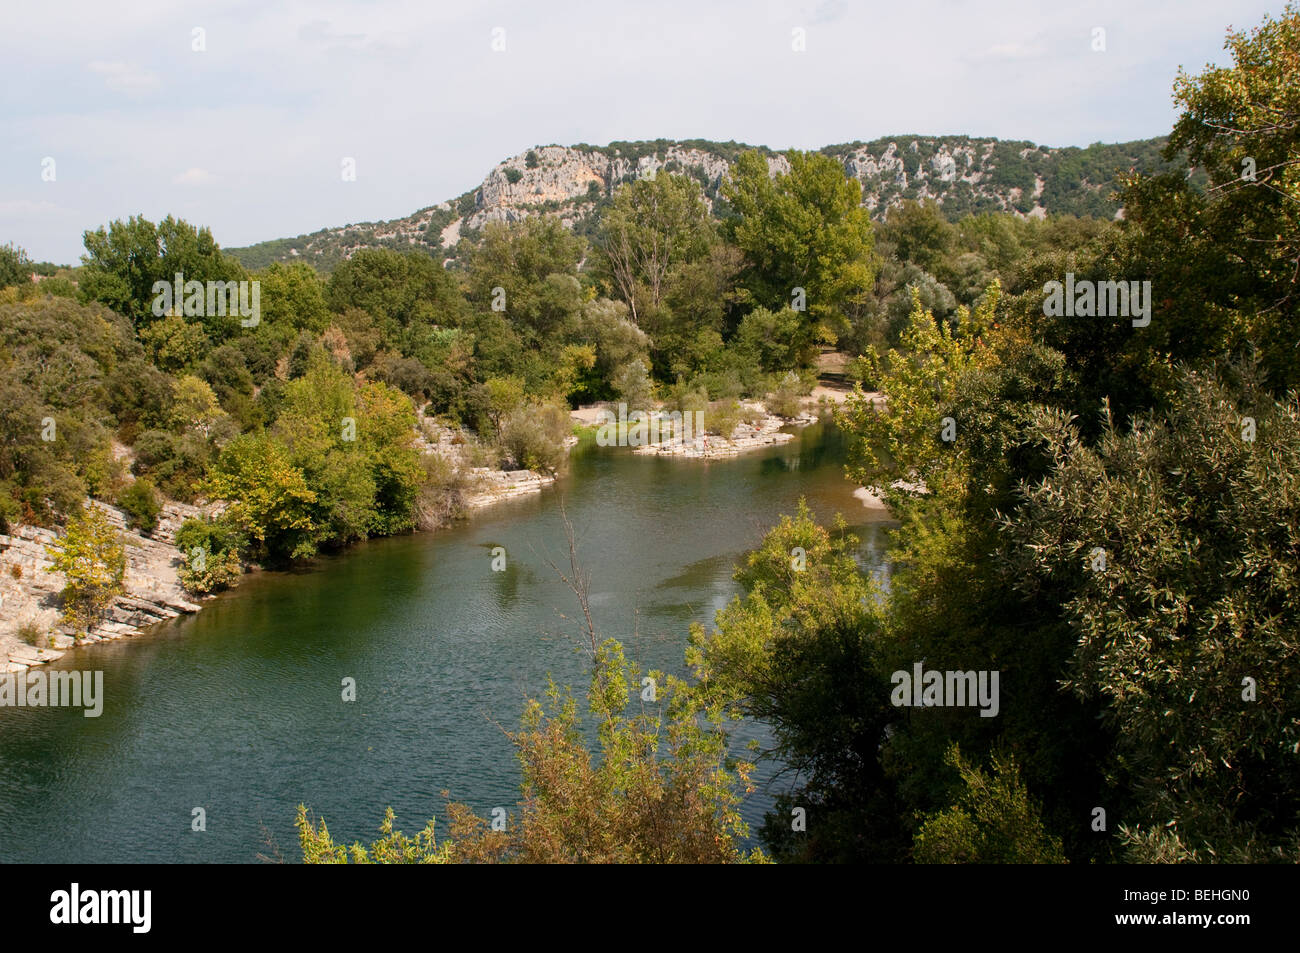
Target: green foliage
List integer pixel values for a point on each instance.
(533, 261)
(533, 436)
(93, 560)
(1187, 617)
(785, 400)
(804, 229)
(393, 847)
(657, 787)
(799, 654)
(15, 266)
(210, 554)
(653, 227)
(993, 821)
(634, 387)
(270, 500)
(123, 262)
(141, 503)
(408, 295)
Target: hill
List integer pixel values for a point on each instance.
(964, 175)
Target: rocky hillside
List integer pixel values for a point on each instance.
(964, 175)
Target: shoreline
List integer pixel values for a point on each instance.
(30, 594)
(152, 589)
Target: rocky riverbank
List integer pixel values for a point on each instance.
(29, 592)
(764, 431)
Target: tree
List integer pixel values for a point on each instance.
(653, 226)
(270, 500)
(1241, 124)
(800, 654)
(1171, 550)
(634, 387)
(1226, 260)
(504, 394)
(123, 262)
(292, 300)
(92, 558)
(534, 264)
(807, 229)
(15, 266)
(405, 293)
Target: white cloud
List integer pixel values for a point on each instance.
(247, 137)
(194, 176)
(1014, 51)
(124, 77)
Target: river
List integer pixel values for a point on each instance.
(238, 709)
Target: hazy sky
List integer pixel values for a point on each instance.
(247, 136)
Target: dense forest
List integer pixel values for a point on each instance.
(1105, 512)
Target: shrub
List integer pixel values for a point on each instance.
(513, 176)
(210, 555)
(533, 436)
(439, 499)
(152, 448)
(784, 401)
(93, 559)
(633, 386)
(722, 417)
(32, 632)
(141, 503)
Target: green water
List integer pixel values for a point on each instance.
(238, 709)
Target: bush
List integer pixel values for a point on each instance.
(784, 401)
(687, 397)
(210, 555)
(140, 500)
(33, 633)
(93, 559)
(153, 447)
(634, 387)
(439, 499)
(533, 436)
(513, 176)
(723, 417)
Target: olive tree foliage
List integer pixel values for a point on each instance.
(1173, 549)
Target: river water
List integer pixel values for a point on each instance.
(238, 709)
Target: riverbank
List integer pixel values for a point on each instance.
(29, 590)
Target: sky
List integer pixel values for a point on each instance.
(110, 109)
